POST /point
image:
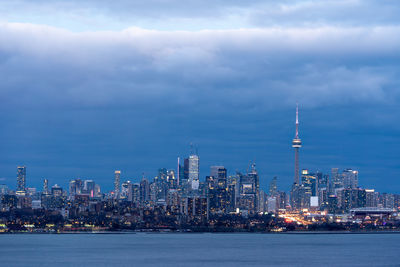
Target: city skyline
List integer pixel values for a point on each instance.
(191, 165)
(89, 88)
(129, 127)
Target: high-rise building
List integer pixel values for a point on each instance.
(21, 178)
(127, 191)
(336, 180)
(296, 144)
(370, 198)
(144, 191)
(249, 190)
(56, 190)
(185, 171)
(220, 176)
(179, 172)
(194, 171)
(45, 186)
(218, 191)
(89, 187)
(218, 171)
(136, 193)
(172, 180)
(272, 205)
(350, 179)
(307, 189)
(273, 188)
(117, 179)
(3, 189)
(75, 187)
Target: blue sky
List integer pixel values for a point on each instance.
(88, 87)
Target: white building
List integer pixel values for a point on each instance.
(194, 171)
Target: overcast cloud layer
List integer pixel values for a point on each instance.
(128, 86)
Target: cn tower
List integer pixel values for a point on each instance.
(296, 144)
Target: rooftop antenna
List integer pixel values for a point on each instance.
(178, 170)
(248, 167)
(297, 120)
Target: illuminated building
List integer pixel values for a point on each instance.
(350, 178)
(160, 186)
(24, 202)
(332, 204)
(117, 183)
(219, 173)
(218, 192)
(144, 191)
(370, 198)
(172, 180)
(196, 207)
(217, 188)
(336, 180)
(185, 171)
(282, 200)
(181, 179)
(126, 191)
(89, 187)
(21, 178)
(273, 188)
(352, 198)
(387, 200)
(262, 201)
(75, 187)
(45, 186)
(136, 193)
(3, 189)
(249, 190)
(56, 190)
(272, 205)
(194, 171)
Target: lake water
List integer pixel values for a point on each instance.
(188, 249)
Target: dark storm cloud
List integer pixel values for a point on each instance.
(261, 66)
(84, 104)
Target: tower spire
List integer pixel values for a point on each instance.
(297, 120)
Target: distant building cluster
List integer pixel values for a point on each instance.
(177, 198)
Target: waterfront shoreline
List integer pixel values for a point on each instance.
(202, 232)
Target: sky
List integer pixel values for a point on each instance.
(88, 87)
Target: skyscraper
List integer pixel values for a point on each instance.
(296, 144)
(350, 178)
(273, 188)
(194, 171)
(144, 191)
(89, 187)
(185, 177)
(21, 178)
(45, 186)
(249, 190)
(178, 172)
(218, 171)
(75, 187)
(127, 191)
(117, 184)
(336, 180)
(220, 176)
